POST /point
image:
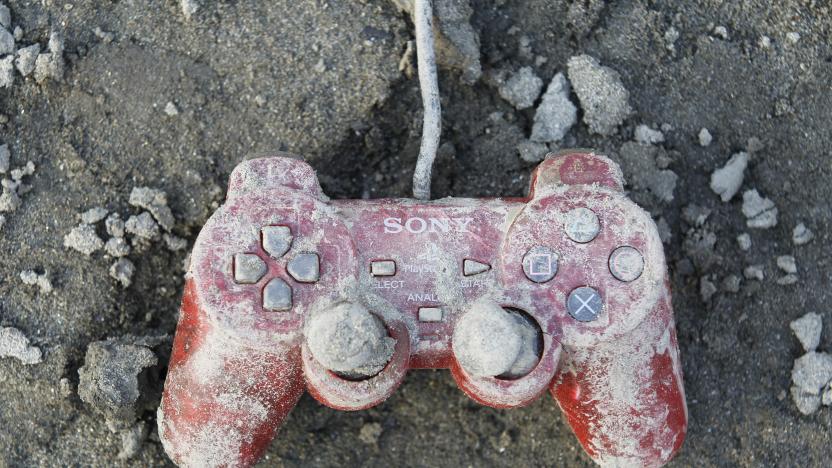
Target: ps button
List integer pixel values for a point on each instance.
(277, 295)
(584, 304)
(473, 267)
(582, 225)
(540, 264)
(626, 263)
(248, 268)
(276, 240)
(383, 268)
(304, 268)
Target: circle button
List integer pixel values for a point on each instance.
(626, 263)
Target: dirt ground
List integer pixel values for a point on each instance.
(321, 78)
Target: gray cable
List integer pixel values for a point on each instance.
(432, 122)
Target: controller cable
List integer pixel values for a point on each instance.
(428, 84)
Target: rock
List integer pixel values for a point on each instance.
(695, 215)
(812, 372)
(156, 202)
(114, 225)
(522, 89)
(665, 233)
(744, 241)
(189, 7)
(171, 110)
(787, 263)
(174, 243)
(760, 212)
(26, 59)
(706, 289)
(556, 114)
(699, 246)
(116, 379)
(787, 280)
(731, 284)
(802, 235)
(640, 164)
(727, 180)
(7, 71)
(83, 239)
(647, 135)
(131, 440)
(9, 200)
(754, 145)
(105, 36)
(31, 278)
(806, 403)
(370, 433)
(6, 42)
(5, 158)
(122, 271)
(807, 329)
(603, 97)
(754, 272)
(705, 137)
(721, 32)
(93, 215)
(142, 226)
(14, 344)
(532, 152)
(5, 16)
(2, 221)
(792, 37)
(51, 65)
(826, 398)
(117, 247)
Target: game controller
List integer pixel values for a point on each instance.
(564, 290)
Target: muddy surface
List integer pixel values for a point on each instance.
(150, 98)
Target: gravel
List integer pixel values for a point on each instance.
(114, 225)
(156, 202)
(117, 247)
(532, 152)
(646, 135)
(727, 180)
(522, 89)
(13, 343)
(556, 114)
(641, 168)
(31, 278)
(26, 59)
(5, 16)
(83, 239)
(94, 215)
(760, 212)
(122, 271)
(705, 137)
(5, 158)
(744, 241)
(812, 372)
(603, 97)
(807, 329)
(142, 226)
(6, 42)
(802, 235)
(7, 71)
(50, 65)
(754, 272)
(787, 263)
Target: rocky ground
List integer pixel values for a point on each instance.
(133, 114)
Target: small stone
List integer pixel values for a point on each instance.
(65, 387)
(603, 97)
(754, 272)
(9, 200)
(706, 289)
(731, 284)
(6, 42)
(556, 114)
(807, 329)
(117, 247)
(812, 372)
(18, 33)
(83, 239)
(171, 109)
(5, 158)
(665, 233)
(647, 135)
(122, 271)
(156, 202)
(787, 263)
(370, 433)
(764, 42)
(793, 37)
(695, 215)
(721, 32)
(532, 152)
(727, 180)
(5, 16)
(13, 343)
(2, 221)
(114, 225)
(787, 280)
(522, 89)
(7, 71)
(174, 243)
(26, 59)
(806, 403)
(705, 137)
(826, 398)
(189, 8)
(51, 65)
(754, 145)
(802, 235)
(670, 38)
(131, 440)
(31, 278)
(105, 36)
(93, 215)
(142, 226)
(744, 241)
(760, 212)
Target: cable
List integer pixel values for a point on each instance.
(428, 83)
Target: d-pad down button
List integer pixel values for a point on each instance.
(277, 295)
(304, 268)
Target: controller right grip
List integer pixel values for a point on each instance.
(624, 398)
(223, 401)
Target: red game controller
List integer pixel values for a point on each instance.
(564, 290)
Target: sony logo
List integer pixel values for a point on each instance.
(416, 225)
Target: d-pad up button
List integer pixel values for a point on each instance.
(276, 240)
(277, 295)
(305, 268)
(248, 268)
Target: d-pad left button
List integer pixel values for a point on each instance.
(248, 268)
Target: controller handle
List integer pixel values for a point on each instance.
(624, 398)
(223, 401)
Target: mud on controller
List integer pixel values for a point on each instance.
(564, 290)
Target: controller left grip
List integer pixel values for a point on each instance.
(223, 401)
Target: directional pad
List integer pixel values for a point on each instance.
(276, 240)
(248, 268)
(277, 295)
(304, 268)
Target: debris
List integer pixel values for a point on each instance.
(670, 38)
(532, 152)
(760, 212)
(522, 89)
(641, 166)
(744, 241)
(51, 65)
(26, 59)
(105, 36)
(9, 199)
(556, 114)
(705, 137)
(370, 433)
(764, 42)
(786, 280)
(122, 271)
(114, 225)
(695, 215)
(731, 284)
(807, 330)
(13, 343)
(722, 32)
(142, 226)
(5, 158)
(174, 243)
(5, 16)
(156, 202)
(792, 37)
(171, 109)
(699, 246)
(30, 278)
(6, 42)
(603, 97)
(93, 215)
(647, 135)
(6, 71)
(727, 180)
(806, 403)
(787, 263)
(706, 289)
(802, 235)
(189, 8)
(754, 272)
(812, 372)
(117, 247)
(83, 239)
